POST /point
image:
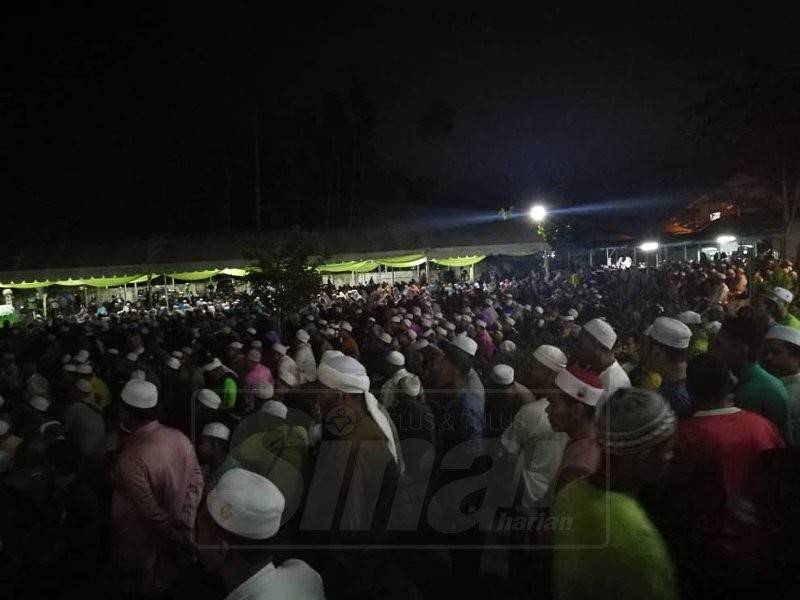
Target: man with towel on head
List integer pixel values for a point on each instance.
(359, 461)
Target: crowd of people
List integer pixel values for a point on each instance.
(617, 433)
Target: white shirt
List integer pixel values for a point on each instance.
(531, 437)
(294, 580)
(613, 378)
(389, 389)
(304, 357)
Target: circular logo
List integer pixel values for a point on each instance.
(226, 510)
(340, 421)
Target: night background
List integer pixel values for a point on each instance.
(142, 119)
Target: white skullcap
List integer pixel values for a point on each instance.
(689, 317)
(671, 332)
(186, 350)
(551, 357)
(84, 385)
(251, 330)
(438, 315)
(236, 345)
(450, 326)
(139, 394)
(254, 355)
(246, 504)
(173, 363)
(602, 331)
(527, 308)
(411, 385)
(480, 323)
(713, 327)
(139, 350)
(423, 343)
(280, 348)
(416, 311)
(177, 354)
(406, 322)
(785, 334)
(488, 302)
(780, 295)
(132, 356)
(85, 369)
(4, 427)
(70, 368)
(396, 319)
(370, 319)
(264, 391)
(428, 333)
(328, 354)
(322, 322)
(82, 356)
(302, 336)
(385, 338)
(288, 372)
(343, 373)
(411, 334)
(209, 398)
(39, 403)
(346, 326)
(441, 331)
(508, 347)
(502, 375)
(256, 345)
(113, 351)
(310, 318)
(138, 374)
(571, 382)
(539, 310)
(275, 408)
(467, 344)
(214, 364)
(217, 430)
(65, 359)
(467, 319)
(573, 313)
(396, 359)
(427, 323)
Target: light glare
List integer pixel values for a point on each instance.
(538, 213)
(649, 246)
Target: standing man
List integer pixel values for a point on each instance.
(572, 411)
(504, 398)
(396, 364)
(780, 356)
(595, 351)
(773, 305)
(303, 355)
(349, 344)
(665, 353)
(157, 485)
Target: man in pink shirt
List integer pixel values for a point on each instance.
(158, 485)
(485, 343)
(255, 375)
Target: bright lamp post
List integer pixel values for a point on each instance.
(650, 247)
(537, 213)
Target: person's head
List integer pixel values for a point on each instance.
(242, 514)
(596, 343)
(667, 345)
(343, 380)
(708, 381)
(253, 358)
(780, 352)
(501, 377)
(453, 368)
(213, 444)
(774, 303)
(548, 361)
(573, 399)
(635, 430)
(410, 386)
(738, 342)
(395, 361)
(139, 404)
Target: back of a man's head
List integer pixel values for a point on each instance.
(708, 381)
(747, 331)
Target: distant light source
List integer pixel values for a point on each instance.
(715, 215)
(538, 213)
(726, 239)
(648, 246)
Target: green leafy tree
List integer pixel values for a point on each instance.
(286, 279)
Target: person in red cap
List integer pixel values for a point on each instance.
(572, 410)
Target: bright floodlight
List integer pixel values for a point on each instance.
(726, 239)
(538, 213)
(649, 246)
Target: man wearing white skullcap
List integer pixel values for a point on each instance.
(573, 401)
(212, 448)
(595, 352)
(780, 356)
(636, 429)
(255, 374)
(396, 363)
(356, 429)
(349, 344)
(504, 398)
(243, 512)
(157, 485)
(303, 356)
(774, 305)
(699, 343)
(666, 353)
(466, 407)
(530, 435)
(220, 377)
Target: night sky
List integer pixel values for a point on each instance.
(142, 119)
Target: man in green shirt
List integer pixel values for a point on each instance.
(780, 356)
(605, 544)
(737, 344)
